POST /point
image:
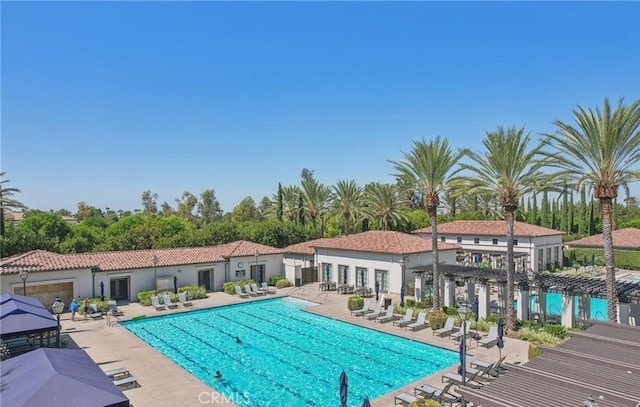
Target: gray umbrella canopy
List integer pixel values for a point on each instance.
(344, 385)
(57, 377)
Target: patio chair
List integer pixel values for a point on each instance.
(364, 310)
(470, 379)
(269, 290)
(166, 299)
(447, 329)
(248, 290)
(376, 313)
(491, 338)
(156, 303)
(483, 374)
(113, 308)
(420, 323)
(239, 292)
(496, 368)
(254, 288)
(387, 317)
(405, 320)
(182, 298)
(442, 396)
(95, 314)
(457, 336)
(404, 399)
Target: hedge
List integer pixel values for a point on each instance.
(624, 259)
(229, 286)
(195, 293)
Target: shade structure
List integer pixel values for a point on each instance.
(175, 284)
(377, 290)
(57, 377)
(365, 402)
(24, 315)
(500, 343)
(344, 386)
(402, 296)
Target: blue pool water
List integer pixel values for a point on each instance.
(287, 357)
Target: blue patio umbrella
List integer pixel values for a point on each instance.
(344, 384)
(101, 290)
(377, 290)
(476, 307)
(175, 284)
(365, 402)
(500, 343)
(344, 275)
(362, 277)
(462, 356)
(402, 296)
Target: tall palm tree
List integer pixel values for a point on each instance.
(347, 200)
(602, 153)
(290, 197)
(384, 202)
(509, 170)
(6, 200)
(316, 197)
(429, 168)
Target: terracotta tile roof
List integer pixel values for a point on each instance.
(628, 238)
(41, 260)
(305, 247)
(489, 227)
(379, 241)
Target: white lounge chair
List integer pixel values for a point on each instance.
(457, 336)
(156, 303)
(420, 322)
(166, 299)
(364, 310)
(491, 338)
(113, 308)
(447, 329)
(268, 289)
(404, 399)
(406, 319)
(254, 288)
(376, 313)
(95, 314)
(240, 293)
(248, 290)
(388, 316)
(182, 297)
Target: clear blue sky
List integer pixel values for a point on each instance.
(103, 100)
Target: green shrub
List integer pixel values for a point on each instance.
(195, 292)
(144, 297)
(283, 283)
(481, 325)
(556, 330)
(425, 403)
(410, 302)
(229, 286)
(436, 319)
(534, 351)
(355, 302)
(102, 306)
(274, 280)
(538, 336)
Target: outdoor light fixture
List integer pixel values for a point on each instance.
(154, 260)
(257, 275)
(24, 275)
(464, 313)
(590, 402)
(58, 307)
(402, 289)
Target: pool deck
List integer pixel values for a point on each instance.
(164, 383)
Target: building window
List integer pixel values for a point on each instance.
(495, 241)
(443, 239)
(549, 265)
(327, 275)
(343, 274)
(459, 239)
(515, 242)
(540, 259)
(476, 240)
(382, 277)
(362, 279)
(555, 256)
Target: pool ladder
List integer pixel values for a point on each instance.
(326, 295)
(297, 289)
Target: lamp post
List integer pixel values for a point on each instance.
(58, 307)
(24, 275)
(402, 289)
(257, 273)
(154, 260)
(93, 282)
(464, 313)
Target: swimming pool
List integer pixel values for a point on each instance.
(287, 357)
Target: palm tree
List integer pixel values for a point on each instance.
(347, 200)
(509, 170)
(6, 200)
(384, 202)
(290, 197)
(316, 197)
(602, 153)
(429, 168)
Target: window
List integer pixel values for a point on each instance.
(459, 239)
(476, 240)
(382, 277)
(495, 241)
(443, 239)
(515, 242)
(540, 259)
(343, 274)
(327, 275)
(362, 279)
(549, 265)
(555, 255)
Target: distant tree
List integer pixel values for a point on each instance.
(279, 203)
(209, 207)
(85, 211)
(301, 212)
(384, 204)
(545, 211)
(7, 202)
(306, 175)
(245, 211)
(316, 197)
(265, 208)
(63, 212)
(166, 209)
(186, 205)
(347, 201)
(149, 205)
